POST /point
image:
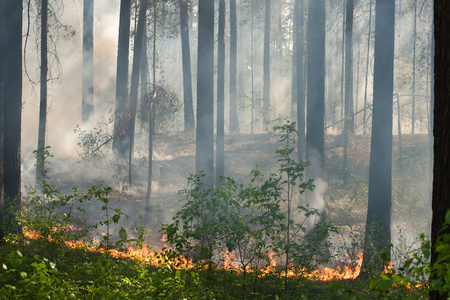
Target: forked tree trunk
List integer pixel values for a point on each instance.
(134, 88)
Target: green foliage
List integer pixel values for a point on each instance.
(23, 278)
(253, 219)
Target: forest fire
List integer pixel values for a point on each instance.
(230, 262)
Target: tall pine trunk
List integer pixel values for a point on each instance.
(120, 117)
(204, 161)
(441, 190)
(220, 155)
(299, 78)
(134, 88)
(349, 118)
(189, 122)
(266, 88)
(87, 106)
(43, 94)
(11, 109)
(378, 227)
(369, 34)
(234, 120)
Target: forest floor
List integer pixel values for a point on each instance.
(345, 206)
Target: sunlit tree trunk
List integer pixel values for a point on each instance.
(87, 107)
(378, 228)
(234, 120)
(43, 94)
(189, 122)
(204, 161)
(220, 155)
(120, 117)
(266, 88)
(134, 88)
(441, 131)
(11, 113)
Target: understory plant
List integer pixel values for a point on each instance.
(263, 222)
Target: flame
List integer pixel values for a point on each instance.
(230, 262)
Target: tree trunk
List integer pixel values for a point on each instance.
(413, 109)
(120, 117)
(134, 88)
(266, 88)
(189, 122)
(367, 67)
(87, 106)
(315, 139)
(349, 118)
(220, 155)
(151, 128)
(11, 81)
(144, 82)
(441, 188)
(299, 70)
(205, 93)
(234, 120)
(40, 166)
(378, 228)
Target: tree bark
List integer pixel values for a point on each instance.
(204, 161)
(378, 228)
(234, 120)
(315, 147)
(40, 156)
(134, 88)
(299, 78)
(367, 67)
(441, 131)
(11, 81)
(120, 117)
(266, 88)
(87, 107)
(220, 155)
(189, 122)
(349, 118)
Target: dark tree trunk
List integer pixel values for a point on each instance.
(441, 131)
(315, 139)
(205, 93)
(378, 228)
(300, 87)
(134, 88)
(11, 85)
(266, 88)
(87, 107)
(220, 155)
(43, 95)
(349, 119)
(234, 120)
(120, 144)
(189, 122)
(144, 99)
